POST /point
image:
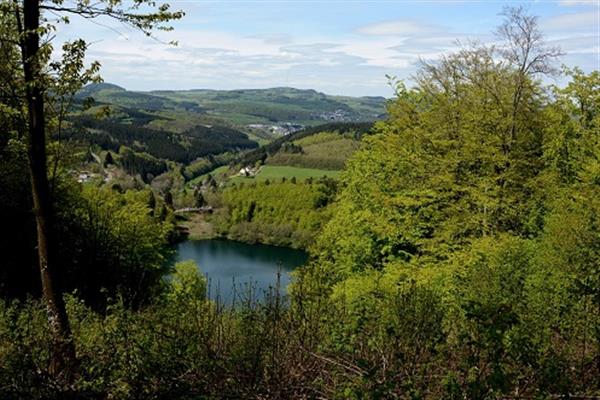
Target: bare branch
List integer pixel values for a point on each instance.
(524, 47)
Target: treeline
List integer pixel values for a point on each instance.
(141, 164)
(132, 116)
(206, 164)
(217, 139)
(184, 147)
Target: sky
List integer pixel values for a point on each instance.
(342, 47)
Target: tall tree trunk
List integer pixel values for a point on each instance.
(63, 354)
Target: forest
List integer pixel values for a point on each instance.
(284, 213)
(184, 147)
(457, 256)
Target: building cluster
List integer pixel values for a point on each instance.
(282, 129)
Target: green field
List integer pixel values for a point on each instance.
(324, 150)
(274, 173)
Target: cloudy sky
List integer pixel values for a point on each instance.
(336, 46)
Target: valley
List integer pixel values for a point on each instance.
(283, 243)
(190, 150)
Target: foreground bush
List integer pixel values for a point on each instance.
(495, 328)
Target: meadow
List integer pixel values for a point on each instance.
(324, 150)
(274, 173)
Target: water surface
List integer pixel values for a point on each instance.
(225, 262)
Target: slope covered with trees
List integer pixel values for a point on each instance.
(183, 147)
(286, 143)
(324, 150)
(284, 212)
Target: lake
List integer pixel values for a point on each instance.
(225, 262)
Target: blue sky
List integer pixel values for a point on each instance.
(338, 46)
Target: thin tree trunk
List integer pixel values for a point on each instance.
(63, 354)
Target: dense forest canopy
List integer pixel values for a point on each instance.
(456, 257)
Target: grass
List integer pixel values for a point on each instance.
(325, 150)
(274, 173)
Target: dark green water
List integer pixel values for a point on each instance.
(225, 262)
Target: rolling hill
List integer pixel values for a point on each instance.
(205, 129)
(325, 146)
(263, 113)
(314, 152)
(280, 105)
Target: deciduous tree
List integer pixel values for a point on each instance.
(32, 22)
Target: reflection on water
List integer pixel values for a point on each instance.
(225, 262)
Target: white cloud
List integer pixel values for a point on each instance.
(578, 2)
(584, 44)
(579, 21)
(274, 39)
(403, 27)
(351, 62)
(576, 34)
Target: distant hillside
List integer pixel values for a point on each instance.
(184, 147)
(144, 133)
(95, 88)
(312, 153)
(107, 93)
(326, 146)
(262, 113)
(280, 105)
(205, 129)
(323, 150)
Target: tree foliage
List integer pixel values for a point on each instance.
(279, 213)
(480, 188)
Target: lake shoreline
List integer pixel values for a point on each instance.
(198, 227)
(232, 265)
